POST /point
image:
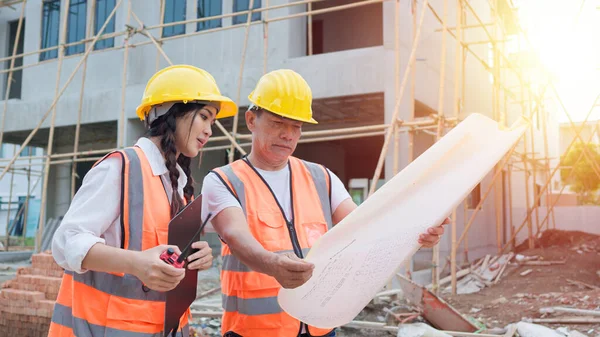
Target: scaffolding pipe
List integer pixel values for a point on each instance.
(556, 168)
(386, 142)
(50, 145)
(456, 106)
(236, 118)
(435, 274)
(8, 230)
(80, 110)
(123, 121)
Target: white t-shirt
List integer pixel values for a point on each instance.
(216, 197)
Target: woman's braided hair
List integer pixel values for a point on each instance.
(165, 127)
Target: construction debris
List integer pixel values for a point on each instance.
(570, 310)
(433, 309)
(207, 327)
(484, 273)
(533, 330)
(582, 284)
(419, 330)
(567, 320)
(527, 272)
(27, 302)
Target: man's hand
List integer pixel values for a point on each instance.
(290, 271)
(201, 259)
(432, 237)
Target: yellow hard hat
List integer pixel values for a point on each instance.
(285, 93)
(184, 83)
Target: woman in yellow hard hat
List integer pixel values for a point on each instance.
(111, 238)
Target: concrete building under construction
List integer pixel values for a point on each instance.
(361, 58)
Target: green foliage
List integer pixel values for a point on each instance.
(584, 181)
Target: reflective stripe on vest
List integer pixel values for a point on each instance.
(111, 304)
(250, 298)
(63, 316)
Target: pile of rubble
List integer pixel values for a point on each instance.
(560, 238)
(27, 302)
(488, 271)
(206, 327)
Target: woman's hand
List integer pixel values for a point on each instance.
(201, 259)
(155, 273)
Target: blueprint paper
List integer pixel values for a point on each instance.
(358, 257)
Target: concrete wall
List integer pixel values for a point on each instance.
(570, 218)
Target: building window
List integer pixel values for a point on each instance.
(208, 8)
(50, 28)
(103, 10)
(17, 75)
(174, 12)
(76, 26)
(27, 152)
(243, 5)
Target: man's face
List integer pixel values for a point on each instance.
(274, 137)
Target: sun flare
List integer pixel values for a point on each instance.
(566, 39)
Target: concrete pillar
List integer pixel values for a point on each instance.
(59, 190)
(134, 129)
(297, 28)
(227, 8)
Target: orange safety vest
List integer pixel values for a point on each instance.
(250, 298)
(95, 304)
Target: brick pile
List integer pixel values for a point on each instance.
(27, 302)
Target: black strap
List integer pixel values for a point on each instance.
(330, 183)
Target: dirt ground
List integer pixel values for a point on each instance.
(516, 297)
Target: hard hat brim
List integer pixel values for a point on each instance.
(228, 108)
(288, 116)
(296, 118)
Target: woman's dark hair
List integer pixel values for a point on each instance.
(165, 127)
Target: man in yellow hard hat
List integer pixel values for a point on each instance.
(270, 207)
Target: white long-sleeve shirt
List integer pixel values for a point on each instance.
(94, 214)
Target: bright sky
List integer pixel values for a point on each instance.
(568, 47)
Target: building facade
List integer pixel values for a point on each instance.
(351, 68)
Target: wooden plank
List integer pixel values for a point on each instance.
(579, 283)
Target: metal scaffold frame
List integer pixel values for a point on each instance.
(436, 124)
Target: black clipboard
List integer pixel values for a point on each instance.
(182, 228)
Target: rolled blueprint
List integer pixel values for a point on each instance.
(358, 257)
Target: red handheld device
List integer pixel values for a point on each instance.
(170, 257)
(178, 261)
